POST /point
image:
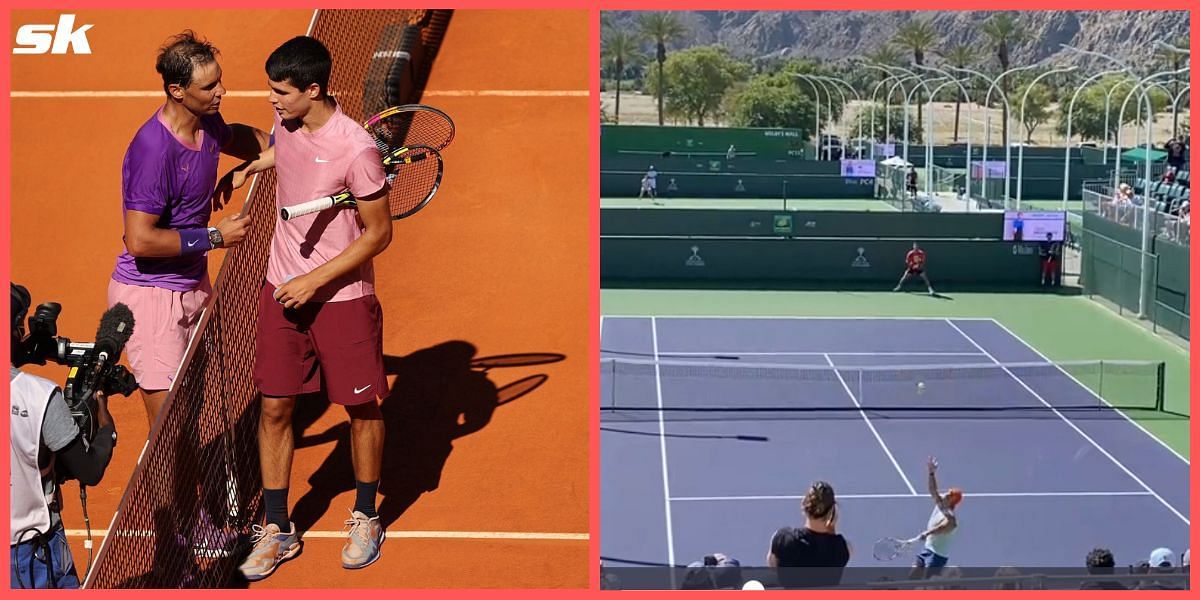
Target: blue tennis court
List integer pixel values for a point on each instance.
(1042, 486)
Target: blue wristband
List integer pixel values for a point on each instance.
(194, 241)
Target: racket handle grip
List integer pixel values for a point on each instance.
(306, 208)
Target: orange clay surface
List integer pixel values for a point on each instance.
(499, 260)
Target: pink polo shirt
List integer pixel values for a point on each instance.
(340, 155)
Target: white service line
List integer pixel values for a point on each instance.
(662, 438)
(871, 426)
(1072, 425)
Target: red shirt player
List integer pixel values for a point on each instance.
(914, 264)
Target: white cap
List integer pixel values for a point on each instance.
(1187, 558)
(1162, 557)
(753, 584)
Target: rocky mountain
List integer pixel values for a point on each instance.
(832, 35)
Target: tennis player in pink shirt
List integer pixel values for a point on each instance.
(320, 325)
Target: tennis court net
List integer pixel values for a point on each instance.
(184, 519)
(647, 390)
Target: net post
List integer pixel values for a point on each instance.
(860, 387)
(612, 385)
(1160, 402)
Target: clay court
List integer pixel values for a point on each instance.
(496, 265)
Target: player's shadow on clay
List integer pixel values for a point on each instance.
(440, 394)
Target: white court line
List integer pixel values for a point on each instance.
(662, 438)
(455, 535)
(1072, 425)
(1094, 394)
(903, 496)
(263, 94)
(871, 426)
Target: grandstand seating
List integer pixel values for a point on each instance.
(1167, 196)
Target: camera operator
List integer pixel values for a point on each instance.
(46, 447)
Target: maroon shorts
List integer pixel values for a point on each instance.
(1049, 266)
(337, 346)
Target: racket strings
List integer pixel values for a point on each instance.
(410, 128)
(413, 178)
(890, 548)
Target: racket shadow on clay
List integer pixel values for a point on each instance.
(317, 228)
(440, 394)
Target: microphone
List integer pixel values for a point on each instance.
(116, 326)
(94, 370)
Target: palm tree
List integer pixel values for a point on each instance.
(662, 28)
(887, 56)
(916, 36)
(1003, 32)
(1174, 61)
(619, 48)
(959, 56)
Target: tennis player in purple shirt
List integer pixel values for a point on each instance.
(167, 183)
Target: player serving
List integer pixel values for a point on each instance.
(941, 527)
(914, 264)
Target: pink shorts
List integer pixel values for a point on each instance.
(337, 344)
(163, 323)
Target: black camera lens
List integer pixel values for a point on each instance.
(45, 319)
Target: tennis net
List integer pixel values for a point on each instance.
(186, 512)
(647, 390)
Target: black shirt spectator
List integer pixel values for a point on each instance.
(814, 555)
(809, 558)
(1176, 154)
(1100, 561)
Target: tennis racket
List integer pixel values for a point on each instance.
(414, 174)
(407, 136)
(410, 125)
(889, 548)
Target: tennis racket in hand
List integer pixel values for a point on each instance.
(889, 548)
(414, 175)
